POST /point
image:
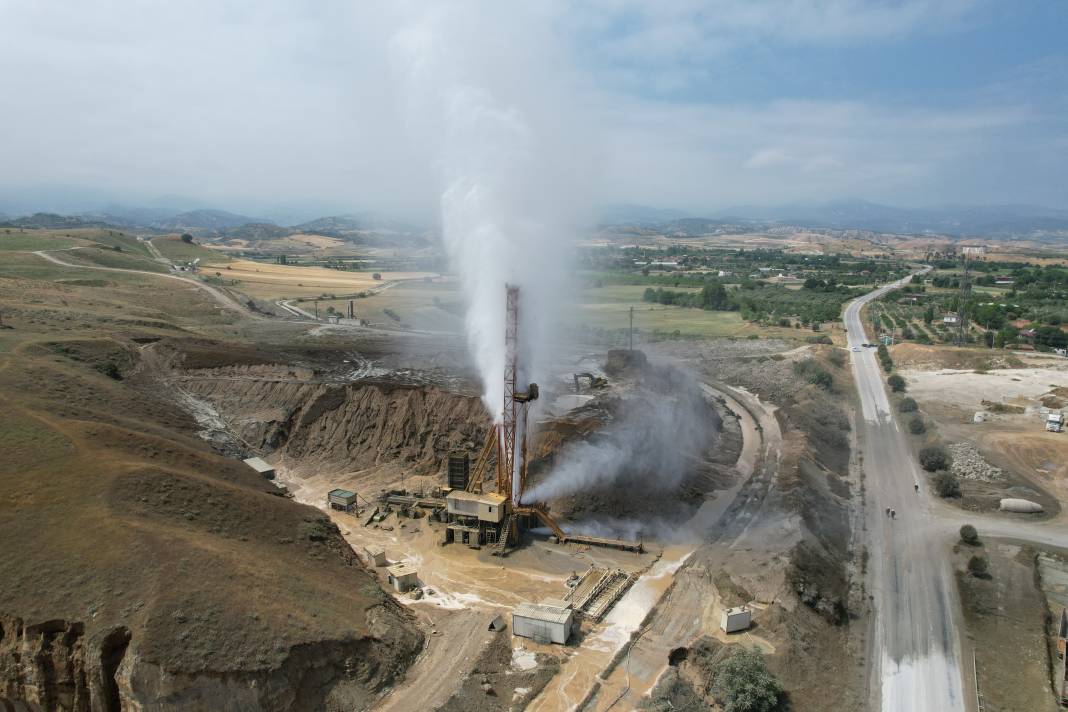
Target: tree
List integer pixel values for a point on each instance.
(376, 275)
(969, 535)
(187, 238)
(742, 683)
(908, 405)
(947, 485)
(897, 383)
(978, 566)
(934, 458)
(917, 426)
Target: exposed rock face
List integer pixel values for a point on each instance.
(356, 425)
(54, 666)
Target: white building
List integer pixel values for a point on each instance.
(403, 577)
(735, 619)
(550, 621)
(487, 507)
(376, 555)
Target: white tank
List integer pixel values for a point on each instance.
(1020, 505)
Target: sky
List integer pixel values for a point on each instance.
(311, 107)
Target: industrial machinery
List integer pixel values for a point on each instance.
(594, 381)
(478, 518)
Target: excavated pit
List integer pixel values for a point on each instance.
(377, 434)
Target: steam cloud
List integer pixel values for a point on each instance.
(512, 176)
(652, 446)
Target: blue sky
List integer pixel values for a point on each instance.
(691, 104)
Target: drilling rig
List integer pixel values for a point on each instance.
(505, 505)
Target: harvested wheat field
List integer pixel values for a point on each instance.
(265, 280)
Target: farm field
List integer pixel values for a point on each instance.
(266, 280)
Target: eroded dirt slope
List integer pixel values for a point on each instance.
(141, 570)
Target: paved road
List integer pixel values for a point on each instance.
(916, 655)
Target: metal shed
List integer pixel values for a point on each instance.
(487, 507)
(735, 619)
(261, 467)
(341, 499)
(403, 577)
(376, 555)
(543, 622)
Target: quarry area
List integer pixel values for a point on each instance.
(291, 508)
(307, 518)
(306, 513)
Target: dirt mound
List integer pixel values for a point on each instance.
(346, 427)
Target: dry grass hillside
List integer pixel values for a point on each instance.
(140, 569)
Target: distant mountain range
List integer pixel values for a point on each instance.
(986, 221)
(998, 221)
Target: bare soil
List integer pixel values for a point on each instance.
(1005, 615)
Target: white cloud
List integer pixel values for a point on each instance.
(273, 101)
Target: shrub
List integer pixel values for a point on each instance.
(908, 405)
(897, 383)
(742, 683)
(978, 566)
(947, 485)
(969, 535)
(187, 238)
(934, 458)
(916, 425)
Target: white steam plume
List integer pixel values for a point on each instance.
(656, 440)
(512, 170)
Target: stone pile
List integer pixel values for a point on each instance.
(969, 464)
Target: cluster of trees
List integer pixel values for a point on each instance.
(884, 358)
(758, 301)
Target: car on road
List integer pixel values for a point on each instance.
(856, 348)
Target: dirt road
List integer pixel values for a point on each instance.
(224, 299)
(676, 585)
(916, 657)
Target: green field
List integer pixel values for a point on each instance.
(110, 258)
(30, 241)
(173, 248)
(419, 305)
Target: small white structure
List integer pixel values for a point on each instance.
(981, 416)
(1055, 422)
(376, 555)
(736, 619)
(261, 467)
(341, 500)
(403, 577)
(487, 507)
(950, 319)
(550, 621)
(1024, 506)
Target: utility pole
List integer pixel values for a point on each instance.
(632, 328)
(316, 308)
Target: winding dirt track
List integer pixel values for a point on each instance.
(224, 299)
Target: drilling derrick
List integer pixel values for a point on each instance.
(506, 441)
